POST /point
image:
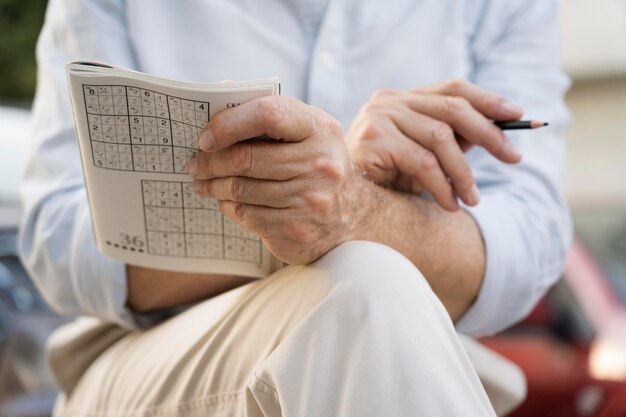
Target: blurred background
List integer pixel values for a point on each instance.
(572, 347)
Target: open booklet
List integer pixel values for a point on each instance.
(136, 133)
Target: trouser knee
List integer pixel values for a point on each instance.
(374, 275)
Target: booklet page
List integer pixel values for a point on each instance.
(135, 139)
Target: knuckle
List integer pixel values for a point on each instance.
(456, 105)
(207, 188)
(428, 161)
(457, 84)
(330, 167)
(490, 103)
(236, 188)
(464, 180)
(320, 202)
(442, 134)
(219, 126)
(249, 217)
(204, 165)
(371, 130)
(241, 158)
(202, 188)
(271, 110)
(383, 92)
(239, 212)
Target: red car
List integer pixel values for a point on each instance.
(572, 347)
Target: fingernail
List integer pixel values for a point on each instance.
(197, 186)
(474, 196)
(192, 167)
(510, 108)
(206, 141)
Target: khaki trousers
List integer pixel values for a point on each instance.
(357, 333)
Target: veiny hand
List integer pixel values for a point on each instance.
(295, 189)
(414, 140)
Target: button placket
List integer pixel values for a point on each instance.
(325, 85)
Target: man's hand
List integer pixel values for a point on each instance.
(295, 190)
(414, 140)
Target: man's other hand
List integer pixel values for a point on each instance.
(413, 140)
(280, 169)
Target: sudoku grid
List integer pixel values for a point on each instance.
(178, 223)
(134, 129)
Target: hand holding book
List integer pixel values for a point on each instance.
(302, 198)
(136, 134)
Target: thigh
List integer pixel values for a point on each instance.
(286, 341)
(199, 362)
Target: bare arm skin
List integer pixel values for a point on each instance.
(153, 289)
(445, 246)
(305, 193)
(417, 228)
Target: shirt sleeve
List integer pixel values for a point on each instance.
(523, 215)
(56, 242)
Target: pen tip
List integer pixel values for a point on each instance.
(536, 124)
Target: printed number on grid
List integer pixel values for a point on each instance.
(178, 223)
(133, 129)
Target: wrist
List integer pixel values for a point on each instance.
(365, 207)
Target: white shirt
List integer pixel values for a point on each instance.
(330, 53)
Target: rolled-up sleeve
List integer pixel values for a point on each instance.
(523, 215)
(56, 239)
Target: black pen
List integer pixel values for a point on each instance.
(520, 124)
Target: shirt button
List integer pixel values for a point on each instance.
(326, 59)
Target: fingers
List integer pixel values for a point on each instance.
(422, 164)
(281, 118)
(371, 147)
(464, 144)
(258, 220)
(276, 194)
(407, 158)
(255, 159)
(432, 127)
(410, 184)
(489, 104)
(439, 138)
(467, 122)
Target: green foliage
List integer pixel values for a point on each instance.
(20, 23)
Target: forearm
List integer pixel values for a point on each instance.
(446, 247)
(152, 289)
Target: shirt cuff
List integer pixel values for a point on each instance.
(505, 294)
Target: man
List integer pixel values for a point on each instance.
(381, 211)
